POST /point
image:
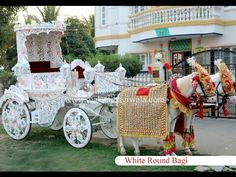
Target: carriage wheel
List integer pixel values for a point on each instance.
(16, 119)
(77, 128)
(108, 120)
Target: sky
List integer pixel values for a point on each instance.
(65, 11)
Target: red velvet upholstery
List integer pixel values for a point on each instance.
(80, 71)
(39, 64)
(41, 67)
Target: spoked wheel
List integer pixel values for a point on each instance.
(77, 128)
(16, 119)
(108, 121)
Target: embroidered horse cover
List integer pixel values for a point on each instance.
(142, 112)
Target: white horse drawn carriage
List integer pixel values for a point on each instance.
(52, 93)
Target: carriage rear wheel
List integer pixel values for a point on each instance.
(77, 128)
(16, 119)
(108, 121)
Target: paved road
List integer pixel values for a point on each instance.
(213, 137)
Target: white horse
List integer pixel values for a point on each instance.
(186, 88)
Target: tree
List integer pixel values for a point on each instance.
(131, 63)
(77, 42)
(49, 13)
(8, 16)
(30, 18)
(90, 25)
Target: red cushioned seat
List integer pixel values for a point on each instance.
(41, 67)
(80, 71)
(44, 70)
(39, 64)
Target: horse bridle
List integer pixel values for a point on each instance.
(204, 96)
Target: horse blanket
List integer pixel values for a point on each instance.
(142, 112)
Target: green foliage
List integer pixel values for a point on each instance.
(7, 78)
(131, 63)
(77, 41)
(69, 58)
(89, 24)
(29, 19)
(49, 13)
(7, 35)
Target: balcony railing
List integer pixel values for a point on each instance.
(177, 14)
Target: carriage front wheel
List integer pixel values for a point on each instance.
(77, 128)
(16, 119)
(108, 121)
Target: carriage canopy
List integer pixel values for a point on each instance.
(39, 44)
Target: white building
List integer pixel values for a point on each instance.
(176, 31)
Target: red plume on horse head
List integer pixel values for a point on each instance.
(150, 69)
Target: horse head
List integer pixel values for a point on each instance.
(205, 88)
(191, 61)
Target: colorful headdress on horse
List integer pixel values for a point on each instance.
(226, 79)
(205, 79)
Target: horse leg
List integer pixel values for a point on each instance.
(192, 146)
(188, 141)
(169, 141)
(136, 146)
(122, 147)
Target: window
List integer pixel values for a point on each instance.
(135, 9)
(141, 8)
(234, 56)
(226, 56)
(103, 15)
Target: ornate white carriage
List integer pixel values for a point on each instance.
(52, 93)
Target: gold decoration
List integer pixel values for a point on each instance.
(226, 79)
(143, 116)
(205, 79)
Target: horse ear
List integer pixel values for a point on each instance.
(191, 61)
(217, 62)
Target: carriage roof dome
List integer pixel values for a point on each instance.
(56, 26)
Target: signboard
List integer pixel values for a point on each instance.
(198, 49)
(160, 32)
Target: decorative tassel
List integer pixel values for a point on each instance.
(169, 144)
(150, 69)
(188, 139)
(200, 113)
(226, 112)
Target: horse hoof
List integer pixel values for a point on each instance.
(122, 152)
(137, 153)
(187, 152)
(193, 149)
(173, 154)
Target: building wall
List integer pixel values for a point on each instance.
(116, 32)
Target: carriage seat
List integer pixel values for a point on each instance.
(41, 67)
(80, 71)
